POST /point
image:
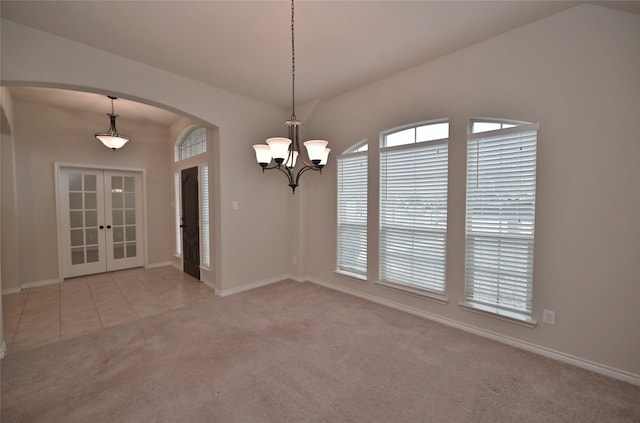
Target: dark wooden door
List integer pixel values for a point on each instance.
(190, 226)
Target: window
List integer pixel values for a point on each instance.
(501, 187)
(178, 212)
(484, 125)
(194, 143)
(352, 211)
(413, 206)
(205, 228)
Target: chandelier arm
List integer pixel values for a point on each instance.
(284, 169)
(304, 169)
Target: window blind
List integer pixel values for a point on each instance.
(177, 200)
(205, 236)
(413, 215)
(352, 213)
(500, 217)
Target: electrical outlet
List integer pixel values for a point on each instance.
(295, 260)
(234, 205)
(549, 317)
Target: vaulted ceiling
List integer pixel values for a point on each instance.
(245, 46)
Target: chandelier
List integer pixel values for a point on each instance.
(112, 139)
(285, 152)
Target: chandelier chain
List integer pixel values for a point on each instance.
(293, 66)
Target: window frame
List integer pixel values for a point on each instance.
(184, 137)
(359, 150)
(434, 293)
(515, 240)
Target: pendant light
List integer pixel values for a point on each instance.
(112, 139)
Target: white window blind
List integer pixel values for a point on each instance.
(352, 213)
(177, 211)
(413, 215)
(205, 227)
(501, 187)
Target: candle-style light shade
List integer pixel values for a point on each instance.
(315, 150)
(263, 154)
(279, 148)
(325, 157)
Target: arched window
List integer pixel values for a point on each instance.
(194, 143)
(501, 191)
(413, 206)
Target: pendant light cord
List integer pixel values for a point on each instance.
(293, 66)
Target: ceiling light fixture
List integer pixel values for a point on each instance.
(286, 151)
(112, 139)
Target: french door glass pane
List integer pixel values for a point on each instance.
(129, 184)
(130, 217)
(118, 251)
(123, 205)
(91, 218)
(77, 255)
(90, 183)
(75, 182)
(90, 200)
(75, 219)
(75, 200)
(92, 254)
(118, 234)
(76, 237)
(83, 218)
(117, 217)
(116, 200)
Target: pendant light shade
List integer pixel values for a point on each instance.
(112, 139)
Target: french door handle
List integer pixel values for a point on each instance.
(101, 226)
(108, 226)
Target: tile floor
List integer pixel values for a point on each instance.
(39, 316)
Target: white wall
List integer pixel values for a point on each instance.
(31, 57)
(577, 74)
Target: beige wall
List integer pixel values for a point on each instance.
(7, 229)
(8, 216)
(31, 57)
(577, 74)
(45, 135)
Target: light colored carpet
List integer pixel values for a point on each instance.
(293, 352)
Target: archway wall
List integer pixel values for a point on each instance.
(250, 252)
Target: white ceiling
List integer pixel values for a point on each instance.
(245, 46)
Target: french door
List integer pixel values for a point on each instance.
(100, 220)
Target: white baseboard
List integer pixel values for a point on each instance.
(547, 352)
(161, 264)
(40, 283)
(254, 285)
(3, 350)
(8, 291)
